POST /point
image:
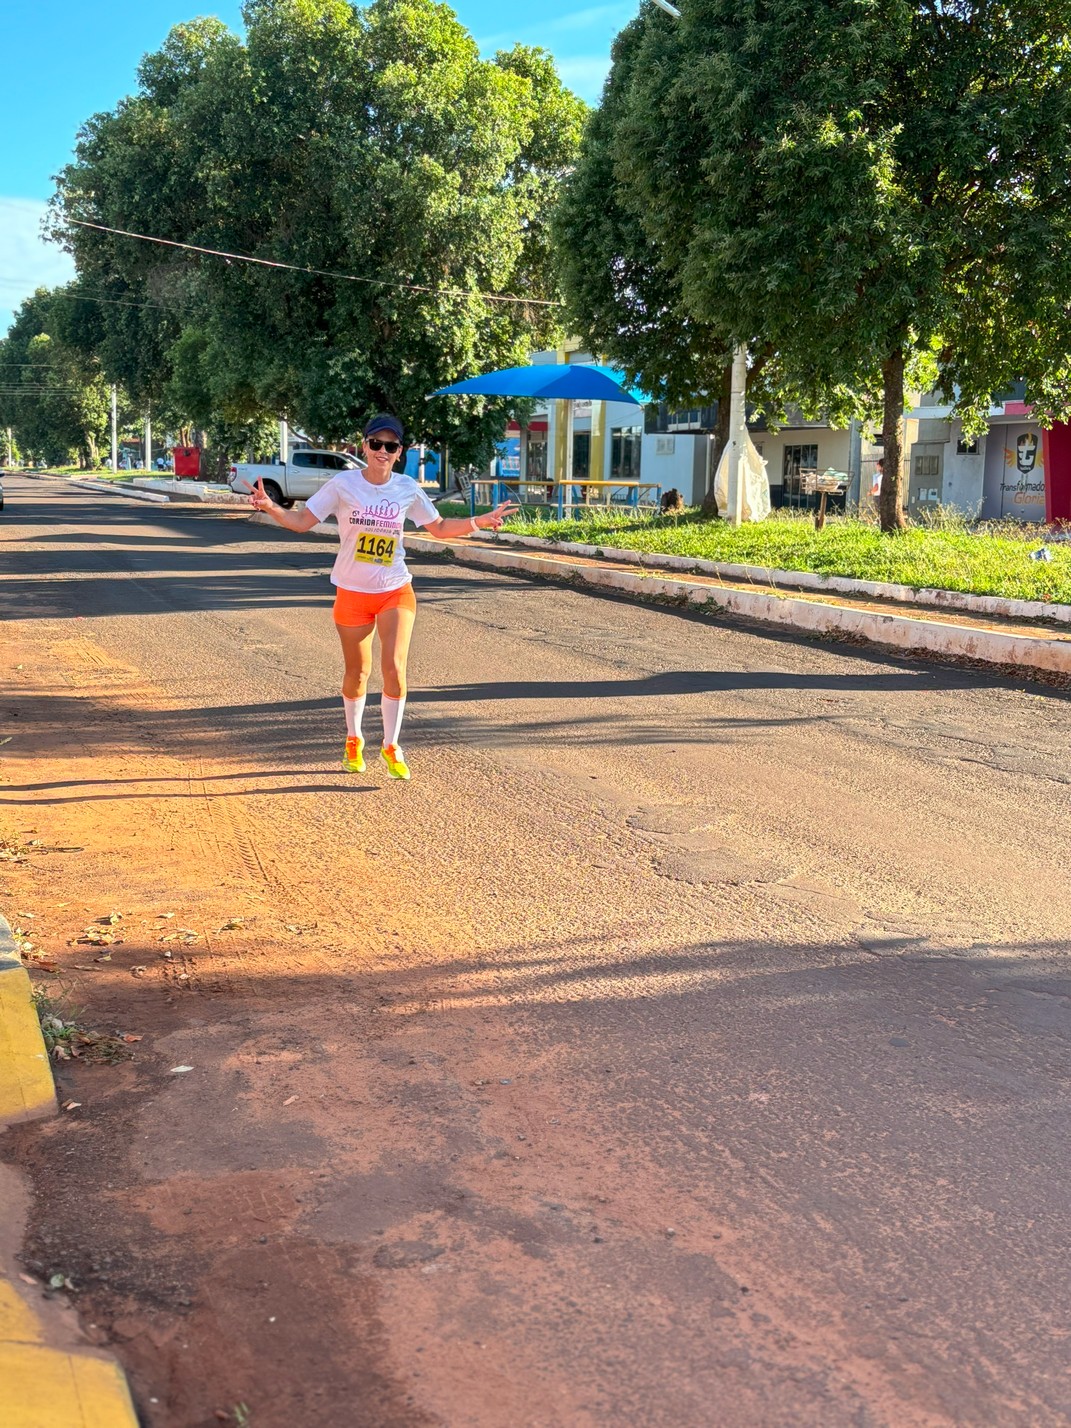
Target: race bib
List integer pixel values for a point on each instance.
(375, 549)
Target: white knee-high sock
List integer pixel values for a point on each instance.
(354, 714)
(393, 709)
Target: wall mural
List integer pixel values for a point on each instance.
(1014, 474)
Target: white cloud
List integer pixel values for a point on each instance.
(26, 260)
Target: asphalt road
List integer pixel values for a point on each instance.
(689, 1041)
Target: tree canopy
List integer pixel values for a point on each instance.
(845, 184)
(52, 396)
(374, 146)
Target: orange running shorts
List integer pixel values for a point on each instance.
(354, 608)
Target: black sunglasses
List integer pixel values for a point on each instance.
(390, 447)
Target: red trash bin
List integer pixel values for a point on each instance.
(187, 460)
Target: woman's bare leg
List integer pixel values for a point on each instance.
(357, 654)
(395, 628)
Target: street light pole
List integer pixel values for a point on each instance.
(115, 438)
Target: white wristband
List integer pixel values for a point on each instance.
(473, 527)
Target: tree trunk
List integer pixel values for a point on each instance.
(721, 437)
(891, 499)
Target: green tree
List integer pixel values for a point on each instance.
(54, 399)
(374, 143)
(853, 185)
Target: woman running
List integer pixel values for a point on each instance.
(374, 588)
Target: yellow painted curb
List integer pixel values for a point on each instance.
(26, 1087)
(46, 1388)
(41, 1387)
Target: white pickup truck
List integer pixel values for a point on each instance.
(305, 472)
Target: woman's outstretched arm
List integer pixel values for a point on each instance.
(451, 527)
(290, 520)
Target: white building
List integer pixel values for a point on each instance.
(1001, 475)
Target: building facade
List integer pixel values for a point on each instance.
(668, 449)
(1016, 470)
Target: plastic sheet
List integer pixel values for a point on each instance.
(756, 483)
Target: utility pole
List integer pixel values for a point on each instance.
(148, 441)
(10, 454)
(115, 436)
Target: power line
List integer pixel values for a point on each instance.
(116, 302)
(81, 294)
(314, 272)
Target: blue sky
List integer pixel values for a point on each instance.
(68, 59)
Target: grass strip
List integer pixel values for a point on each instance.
(945, 553)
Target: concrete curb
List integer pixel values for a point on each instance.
(41, 1386)
(26, 1087)
(204, 492)
(171, 494)
(987, 605)
(106, 488)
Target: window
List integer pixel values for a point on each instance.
(625, 444)
(927, 466)
(581, 456)
(797, 459)
(537, 456)
(305, 458)
(967, 448)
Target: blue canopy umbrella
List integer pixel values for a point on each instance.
(551, 381)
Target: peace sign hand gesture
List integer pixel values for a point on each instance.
(259, 499)
(493, 520)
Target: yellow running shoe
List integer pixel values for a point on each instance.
(396, 765)
(353, 755)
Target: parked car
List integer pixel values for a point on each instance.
(1, 490)
(305, 472)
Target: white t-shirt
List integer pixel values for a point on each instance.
(371, 555)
